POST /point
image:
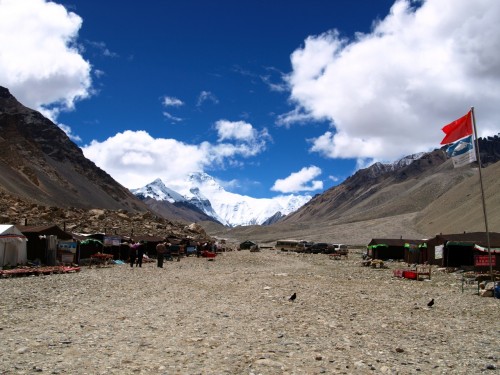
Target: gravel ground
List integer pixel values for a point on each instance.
(232, 316)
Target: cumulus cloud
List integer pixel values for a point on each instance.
(134, 158)
(303, 180)
(239, 130)
(40, 62)
(389, 92)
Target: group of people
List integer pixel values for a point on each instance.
(137, 250)
(136, 253)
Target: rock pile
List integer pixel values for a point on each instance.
(78, 220)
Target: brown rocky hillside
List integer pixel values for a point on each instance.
(39, 162)
(46, 180)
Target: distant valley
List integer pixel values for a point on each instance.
(45, 179)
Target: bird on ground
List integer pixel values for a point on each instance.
(292, 297)
(431, 303)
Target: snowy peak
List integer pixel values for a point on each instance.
(158, 191)
(202, 191)
(378, 168)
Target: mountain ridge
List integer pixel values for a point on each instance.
(417, 200)
(203, 192)
(39, 161)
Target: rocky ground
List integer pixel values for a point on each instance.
(78, 220)
(232, 316)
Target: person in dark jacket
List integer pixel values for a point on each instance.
(132, 253)
(160, 253)
(140, 253)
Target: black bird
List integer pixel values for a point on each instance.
(431, 303)
(292, 297)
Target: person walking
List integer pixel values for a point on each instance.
(140, 253)
(160, 253)
(132, 253)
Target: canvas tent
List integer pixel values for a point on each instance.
(247, 245)
(12, 246)
(462, 249)
(42, 241)
(400, 249)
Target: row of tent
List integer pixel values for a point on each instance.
(18, 244)
(444, 250)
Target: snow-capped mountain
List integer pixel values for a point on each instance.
(202, 191)
(158, 191)
(378, 168)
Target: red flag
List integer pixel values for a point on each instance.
(458, 129)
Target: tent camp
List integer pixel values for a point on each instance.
(464, 249)
(247, 245)
(40, 246)
(391, 248)
(12, 246)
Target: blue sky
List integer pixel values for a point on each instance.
(269, 97)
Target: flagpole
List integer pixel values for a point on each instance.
(482, 194)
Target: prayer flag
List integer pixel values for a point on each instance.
(458, 129)
(462, 152)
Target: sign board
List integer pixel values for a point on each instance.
(438, 252)
(112, 240)
(484, 260)
(67, 246)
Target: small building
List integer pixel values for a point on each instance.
(398, 249)
(469, 250)
(42, 242)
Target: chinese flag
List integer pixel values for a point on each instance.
(458, 129)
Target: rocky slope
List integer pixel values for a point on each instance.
(81, 220)
(418, 200)
(38, 161)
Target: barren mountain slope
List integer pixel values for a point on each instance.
(372, 193)
(177, 211)
(461, 208)
(39, 162)
(354, 234)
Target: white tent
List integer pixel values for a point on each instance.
(12, 246)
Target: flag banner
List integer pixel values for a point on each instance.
(458, 129)
(462, 152)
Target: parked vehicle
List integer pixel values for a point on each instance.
(304, 246)
(338, 248)
(319, 247)
(286, 245)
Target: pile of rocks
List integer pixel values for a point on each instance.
(78, 220)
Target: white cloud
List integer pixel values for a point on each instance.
(302, 180)
(39, 61)
(388, 93)
(171, 117)
(170, 101)
(238, 130)
(134, 158)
